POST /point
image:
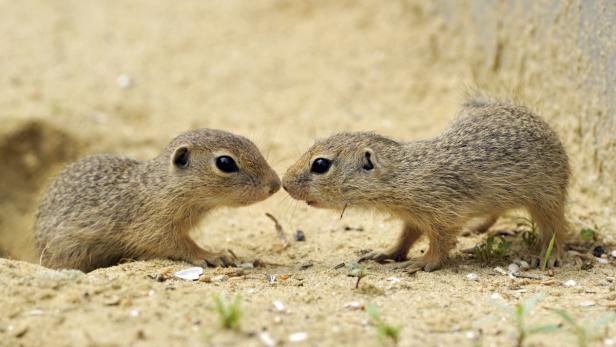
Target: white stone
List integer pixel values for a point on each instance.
(124, 81)
(190, 274)
(354, 305)
(266, 339)
(278, 305)
(298, 337)
(472, 277)
(587, 303)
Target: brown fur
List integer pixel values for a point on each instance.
(495, 157)
(102, 208)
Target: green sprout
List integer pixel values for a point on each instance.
(585, 331)
(528, 236)
(590, 234)
(492, 249)
(518, 314)
(229, 314)
(548, 252)
(384, 330)
(357, 270)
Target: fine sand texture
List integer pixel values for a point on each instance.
(80, 77)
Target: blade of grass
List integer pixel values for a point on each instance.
(548, 252)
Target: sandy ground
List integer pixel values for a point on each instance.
(125, 77)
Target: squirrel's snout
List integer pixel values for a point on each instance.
(274, 186)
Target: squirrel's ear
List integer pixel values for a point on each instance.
(368, 159)
(180, 157)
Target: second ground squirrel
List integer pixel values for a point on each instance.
(496, 156)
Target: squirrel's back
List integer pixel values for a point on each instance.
(87, 192)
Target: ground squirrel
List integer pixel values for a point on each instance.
(102, 208)
(496, 156)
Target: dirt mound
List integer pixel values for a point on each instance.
(32, 150)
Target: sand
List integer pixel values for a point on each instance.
(121, 77)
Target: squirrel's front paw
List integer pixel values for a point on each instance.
(423, 264)
(383, 257)
(215, 259)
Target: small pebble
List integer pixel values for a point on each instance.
(112, 301)
(355, 305)
(124, 81)
(299, 236)
(134, 312)
(470, 335)
(266, 339)
(472, 277)
(598, 251)
(298, 337)
(304, 266)
(36, 312)
(190, 274)
(513, 268)
(495, 296)
(220, 278)
(587, 303)
(609, 342)
(247, 266)
(500, 270)
(613, 254)
(271, 279)
(392, 279)
(570, 283)
(524, 265)
(602, 261)
(279, 305)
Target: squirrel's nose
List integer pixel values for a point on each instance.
(274, 186)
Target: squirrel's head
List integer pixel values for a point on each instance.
(218, 168)
(347, 169)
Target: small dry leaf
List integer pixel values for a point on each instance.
(279, 231)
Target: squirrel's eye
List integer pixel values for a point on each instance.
(226, 164)
(320, 165)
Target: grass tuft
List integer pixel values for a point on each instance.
(384, 330)
(228, 314)
(492, 248)
(358, 271)
(518, 314)
(548, 253)
(585, 331)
